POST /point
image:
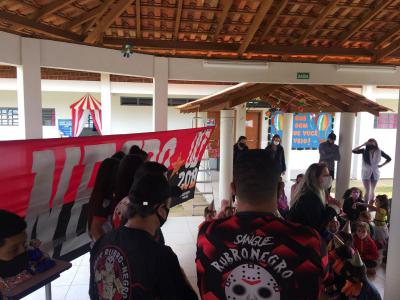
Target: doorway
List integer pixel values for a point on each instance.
(253, 129)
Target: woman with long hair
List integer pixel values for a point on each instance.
(277, 153)
(309, 206)
(239, 147)
(371, 158)
(101, 202)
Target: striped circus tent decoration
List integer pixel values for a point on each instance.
(80, 113)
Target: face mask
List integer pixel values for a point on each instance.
(161, 219)
(15, 266)
(242, 145)
(326, 182)
(276, 143)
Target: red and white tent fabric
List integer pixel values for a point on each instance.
(80, 113)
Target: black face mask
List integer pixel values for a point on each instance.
(15, 266)
(242, 145)
(161, 219)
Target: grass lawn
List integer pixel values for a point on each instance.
(385, 186)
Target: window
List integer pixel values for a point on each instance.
(8, 116)
(140, 101)
(48, 117)
(385, 121)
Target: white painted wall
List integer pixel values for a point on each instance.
(126, 119)
(131, 119)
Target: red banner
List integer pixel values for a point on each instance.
(49, 182)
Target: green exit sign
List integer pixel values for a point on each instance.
(303, 75)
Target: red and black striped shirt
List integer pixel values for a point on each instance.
(259, 256)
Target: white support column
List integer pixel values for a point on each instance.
(346, 133)
(160, 94)
(240, 121)
(392, 286)
(29, 90)
(226, 155)
(364, 121)
(106, 103)
(287, 141)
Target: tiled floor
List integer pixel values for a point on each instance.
(180, 233)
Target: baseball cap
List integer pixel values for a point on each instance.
(151, 187)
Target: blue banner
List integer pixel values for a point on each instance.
(309, 129)
(65, 127)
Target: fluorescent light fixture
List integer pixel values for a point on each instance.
(364, 68)
(232, 64)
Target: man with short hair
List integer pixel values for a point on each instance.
(328, 153)
(13, 256)
(128, 263)
(254, 254)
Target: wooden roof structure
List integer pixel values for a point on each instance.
(287, 98)
(332, 31)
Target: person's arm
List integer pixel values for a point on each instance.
(96, 228)
(283, 161)
(174, 284)
(370, 205)
(385, 156)
(358, 150)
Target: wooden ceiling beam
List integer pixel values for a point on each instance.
(257, 20)
(102, 10)
(50, 8)
(116, 10)
(138, 19)
(320, 96)
(178, 18)
(38, 27)
(367, 17)
(263, 91)
(273, 19)
(321, 17)
(381, 54)
(83, 18)
(387, 38)
(225, 12)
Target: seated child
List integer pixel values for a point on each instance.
(357, 285)
(366, 247)
(351, 197)
(283, 206)
(331, 229)
(365, 216)
(380, 205)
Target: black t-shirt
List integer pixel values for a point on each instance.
(259, 256)
(129, 264)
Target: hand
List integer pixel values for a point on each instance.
(380, 166)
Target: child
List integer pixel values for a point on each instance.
(293, 188)
(331, 229)
(365, 216)
(365, 245)
(381, 208)
(283, 206)
(357, 285)
(351, 197)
